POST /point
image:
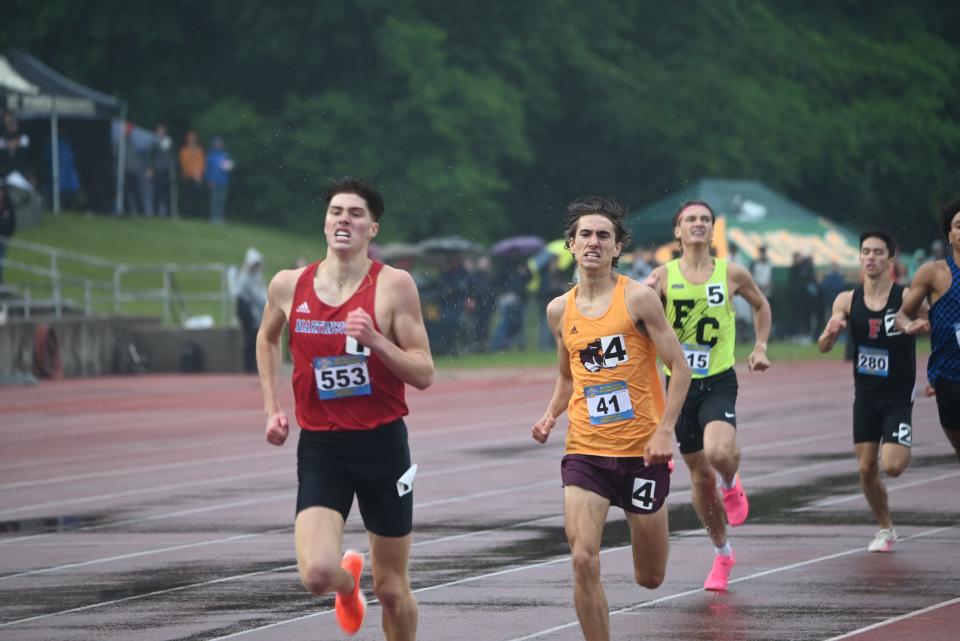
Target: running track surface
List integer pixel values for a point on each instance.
(151, 508)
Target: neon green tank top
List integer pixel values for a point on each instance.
(703, 318)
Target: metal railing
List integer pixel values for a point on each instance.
(56, 282)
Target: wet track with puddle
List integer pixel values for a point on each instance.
(150, 508)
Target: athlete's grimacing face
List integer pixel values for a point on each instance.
(694, 226)
(594, 244)
(874, 256)
(348, 222)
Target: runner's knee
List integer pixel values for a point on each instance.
(392, 592)
(586, 565)
(868, 469)
(319, 577)
(648, 578)
(894, 469)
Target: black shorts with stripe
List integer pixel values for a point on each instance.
(884, 420)
(711, 398)
(333, 467)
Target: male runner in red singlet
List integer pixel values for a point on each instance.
(356, 338)
(609, 331)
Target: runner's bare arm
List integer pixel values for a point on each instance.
(408, 354)
(656, 280)
(837, 321)
(645, 307)
(563, 389)
(746, 288)
(911, 318)
(275, 314)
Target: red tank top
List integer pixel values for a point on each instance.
(339, 384)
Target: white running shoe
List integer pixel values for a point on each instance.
(883, 541)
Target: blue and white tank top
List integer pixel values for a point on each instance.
(945, 331)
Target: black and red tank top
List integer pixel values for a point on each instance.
(885, 364)
(339, 384)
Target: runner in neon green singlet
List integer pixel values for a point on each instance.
(697, 290)
(703, 318)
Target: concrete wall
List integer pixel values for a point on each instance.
(101, 346)
(163, 347)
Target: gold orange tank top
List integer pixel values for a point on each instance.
(617, 396)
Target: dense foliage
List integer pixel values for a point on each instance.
(484, 119)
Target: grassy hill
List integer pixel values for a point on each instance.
(187, 241)
(155, 240)
(139, 242)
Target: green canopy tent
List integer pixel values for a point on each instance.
(750, 215)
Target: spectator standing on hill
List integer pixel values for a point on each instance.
(192, 166)
(161, 162)
(219, 166)
(250, 291)
(134, 174)
(8, 223)
(511, 305)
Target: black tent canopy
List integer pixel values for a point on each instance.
(35, 92)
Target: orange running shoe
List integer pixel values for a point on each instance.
(351, 609)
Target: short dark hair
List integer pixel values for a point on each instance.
(604, 206)
(691, 203)
(947, 212)
(348, 185)
(882, 235)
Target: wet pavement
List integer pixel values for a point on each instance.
(149, 508)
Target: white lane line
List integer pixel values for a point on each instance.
(749, 577)
(280, 568)
(902, 617)
(143, 469)
(229, 480)
(140, 596)
(166, 466)
(142, 553)
(237, 537)
(140, 491)
(141, 448)
(429, 542)
(890, 488)
(273, 452)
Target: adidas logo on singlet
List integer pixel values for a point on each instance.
(573, 330)
(303, 308)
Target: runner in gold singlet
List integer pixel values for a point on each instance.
(609, 331)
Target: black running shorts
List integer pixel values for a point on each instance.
(878, 420)
(332, 467)
(948, 403)
(712, 398)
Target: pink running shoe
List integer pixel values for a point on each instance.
(735, 503)
(720, 573)
(351, 610)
